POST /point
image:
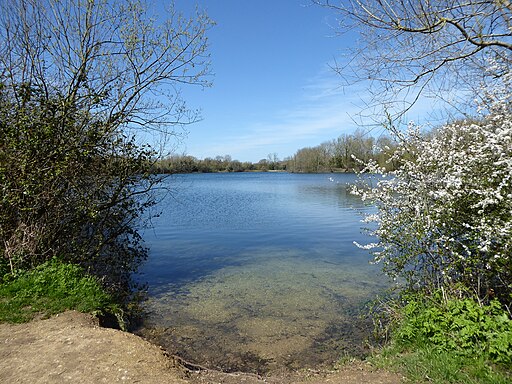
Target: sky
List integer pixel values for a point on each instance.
(273, 90)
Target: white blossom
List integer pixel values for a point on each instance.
(445, 215)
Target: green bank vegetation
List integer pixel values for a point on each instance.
(51, 288)
(432, 338)
(79, 82)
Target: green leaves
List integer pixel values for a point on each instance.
(71, 185)
(463, 326)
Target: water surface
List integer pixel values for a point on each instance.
(257, 271)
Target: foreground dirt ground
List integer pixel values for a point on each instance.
(72, 348)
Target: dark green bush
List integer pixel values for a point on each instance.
(83, 85)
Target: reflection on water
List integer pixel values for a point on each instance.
(258, 271)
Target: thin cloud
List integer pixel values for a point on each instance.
(324, 110)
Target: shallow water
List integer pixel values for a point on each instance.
(258, 271)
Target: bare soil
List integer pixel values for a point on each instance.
(73, 348)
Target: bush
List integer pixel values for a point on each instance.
(81, 85)
(69, 187)
(444, 216)
(447, 340)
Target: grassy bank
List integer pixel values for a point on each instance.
(51, 288)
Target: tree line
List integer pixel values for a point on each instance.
(347, 153)
(190, 164)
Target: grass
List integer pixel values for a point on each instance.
(51, 288)
(427, 365)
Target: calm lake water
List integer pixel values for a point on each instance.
(256, 271)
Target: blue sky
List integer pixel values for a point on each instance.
(273, 91)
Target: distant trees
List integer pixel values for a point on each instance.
(347, 153)
(348, 148)
(309, 160)
(78, 80)
(189, 164)
(176, 164)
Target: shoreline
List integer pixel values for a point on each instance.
(72, 347)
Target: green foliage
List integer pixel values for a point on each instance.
(449, 340)
(51, 288)
(71, 186)
(79, 82)
(425, 365)
(463, 326)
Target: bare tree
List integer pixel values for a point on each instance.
(111, 58)
(424, 47)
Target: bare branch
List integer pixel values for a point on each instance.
(109, 57)
(412, 46)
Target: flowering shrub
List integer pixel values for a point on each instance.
(444, 218)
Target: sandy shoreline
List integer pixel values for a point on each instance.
(71, 347)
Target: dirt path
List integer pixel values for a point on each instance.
(72, 348)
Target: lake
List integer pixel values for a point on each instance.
(258, 271)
